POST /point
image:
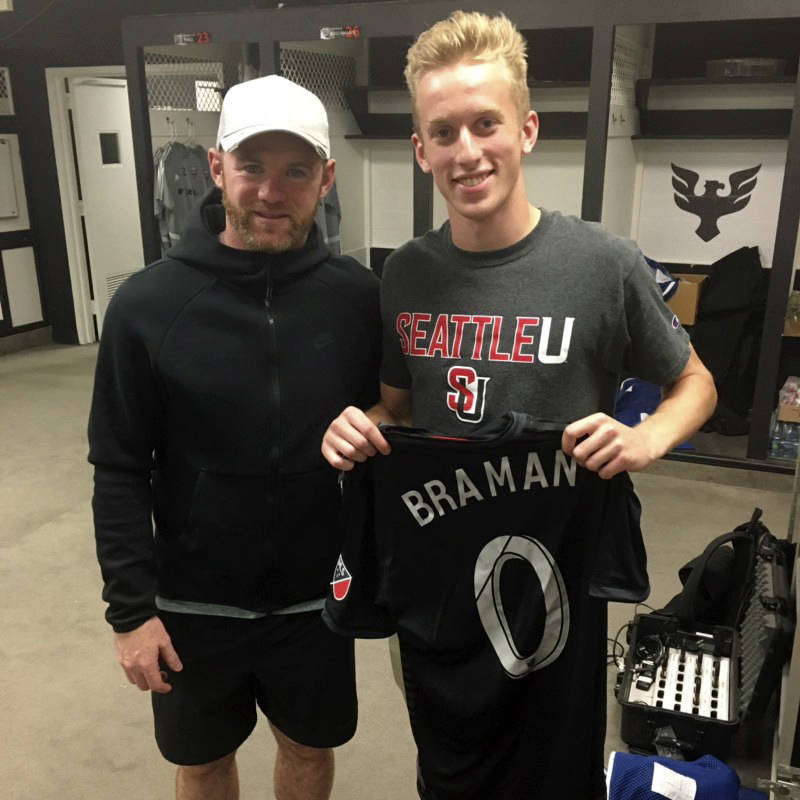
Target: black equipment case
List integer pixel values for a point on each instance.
(712, 658)
(655, 641)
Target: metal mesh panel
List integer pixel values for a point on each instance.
(324, 74)
(177, 83)
(6, 105)
(627, 64)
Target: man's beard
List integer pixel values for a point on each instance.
(240, 219)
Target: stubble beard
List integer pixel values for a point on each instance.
(240, 219)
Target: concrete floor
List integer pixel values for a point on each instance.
(73, 727)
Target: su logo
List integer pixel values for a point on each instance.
(467, 397)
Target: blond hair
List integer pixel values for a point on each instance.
(470, 36)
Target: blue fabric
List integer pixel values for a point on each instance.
(634, 398)
(631, 777)
(666, 283)
(637, 399)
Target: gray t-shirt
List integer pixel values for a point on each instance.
(548, 326)
(328, 219)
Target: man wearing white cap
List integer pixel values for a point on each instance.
(216, 519)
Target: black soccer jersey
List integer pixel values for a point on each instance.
(479, 553)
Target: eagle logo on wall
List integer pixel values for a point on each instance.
(710, 206)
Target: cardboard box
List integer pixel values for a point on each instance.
(791, 327)
(684, 302)
(788, 413)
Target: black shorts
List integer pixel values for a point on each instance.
(300, 674)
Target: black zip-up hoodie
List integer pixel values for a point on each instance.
(218, 372)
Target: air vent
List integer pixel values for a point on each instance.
(626, 71)
(6, 103)
(113, 282)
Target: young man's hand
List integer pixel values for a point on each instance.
(609, 447)
(138, 653)
(352, 437)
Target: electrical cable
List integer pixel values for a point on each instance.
(613, 658)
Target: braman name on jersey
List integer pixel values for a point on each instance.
(436, 498)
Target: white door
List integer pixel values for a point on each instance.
(104, 148)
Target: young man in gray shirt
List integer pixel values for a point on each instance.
(508, 306)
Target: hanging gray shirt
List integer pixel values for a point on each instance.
(328, 219)
(182, 178)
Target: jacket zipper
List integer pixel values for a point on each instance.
(273, 409)
(274, 399)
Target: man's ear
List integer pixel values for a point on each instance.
(328, 177)
(530, 131)
(419, 153)
(215, 166)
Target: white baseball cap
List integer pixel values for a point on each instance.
(272, 103)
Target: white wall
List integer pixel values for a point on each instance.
(189, 127)
(667, 233)
(390, 192)
(352, 173)
(620, 186)
(554, 175)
